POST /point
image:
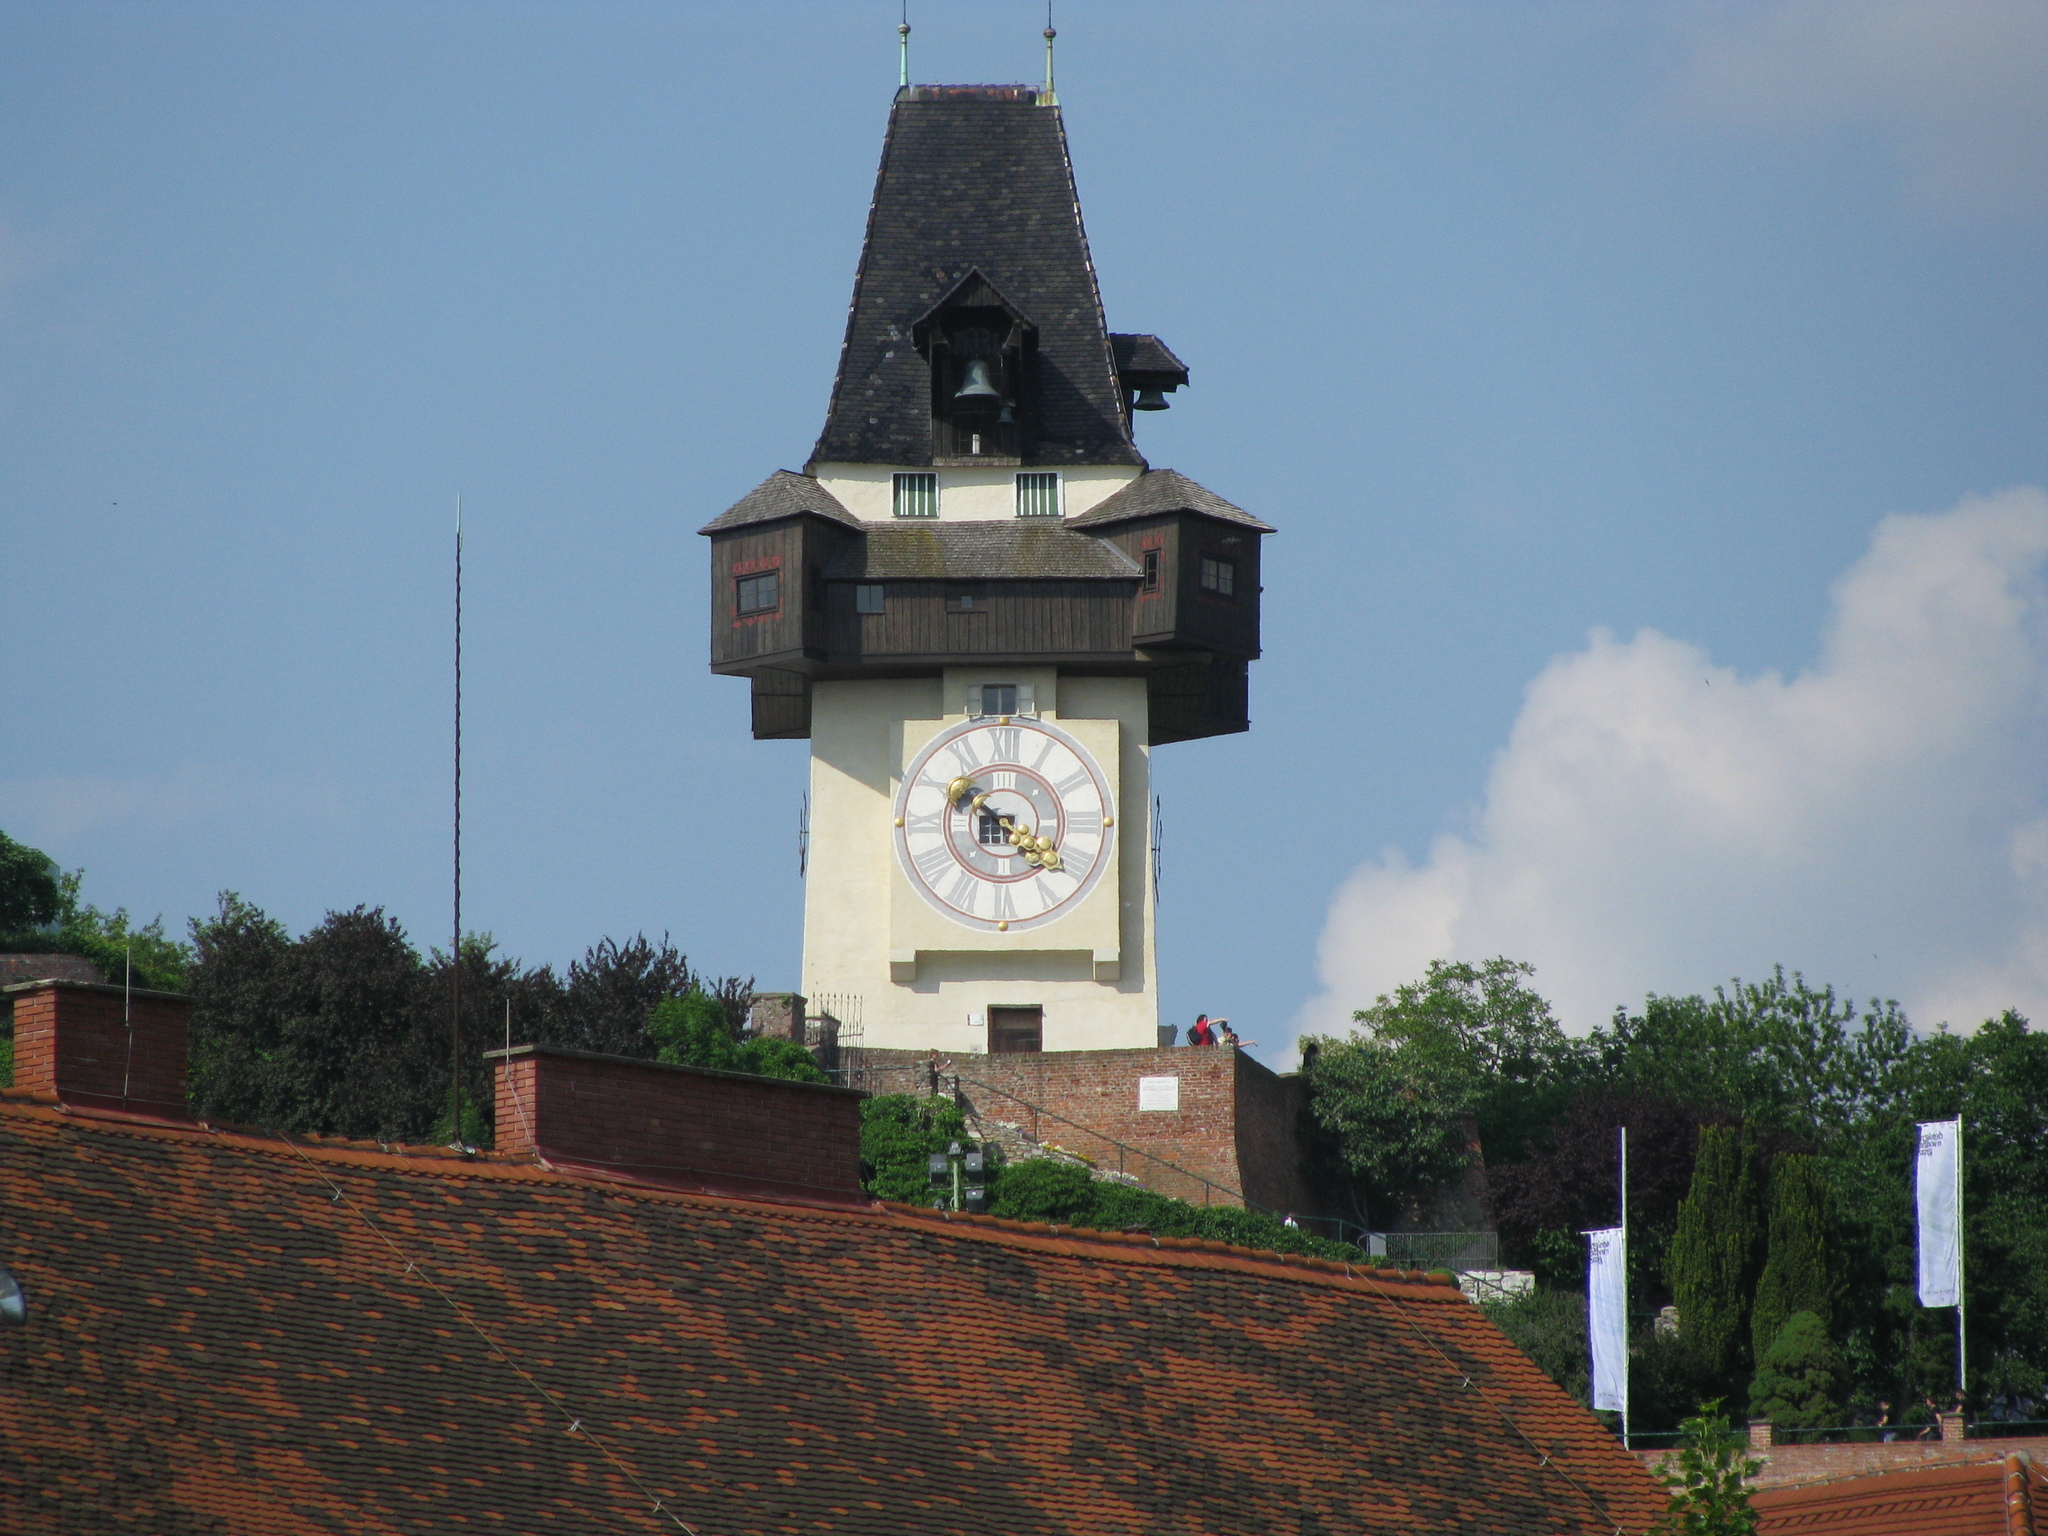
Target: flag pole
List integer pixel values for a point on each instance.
(1624, 1287)
(1962, 1271)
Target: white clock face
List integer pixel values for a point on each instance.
(1004, 824)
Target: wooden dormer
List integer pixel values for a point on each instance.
(974, 340)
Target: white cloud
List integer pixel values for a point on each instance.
(1957, 88)
(54, 811)
(1659, 823)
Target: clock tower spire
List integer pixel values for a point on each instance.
(983, 608)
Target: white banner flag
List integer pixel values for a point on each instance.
(1938, 1185)
(1607, 1316)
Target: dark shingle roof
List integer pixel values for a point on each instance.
(990, 551)
(974, 177)
(1164, 490)
(234, 1335)
(782, 494)
(1147, 355)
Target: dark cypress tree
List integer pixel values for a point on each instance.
(1712, 1261)
(1797, 1275)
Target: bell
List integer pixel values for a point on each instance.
(1006, 416)
(1149, 400)
(979, 387)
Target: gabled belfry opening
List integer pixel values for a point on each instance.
(982, 351)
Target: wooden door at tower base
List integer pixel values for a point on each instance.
(1014, 1031)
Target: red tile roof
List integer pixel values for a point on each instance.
(232, 1333)
(1991, 1498)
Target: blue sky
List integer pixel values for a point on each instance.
(1521, 321)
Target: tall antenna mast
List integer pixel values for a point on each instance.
(455, 950)
(903, 37)
(1048, 97)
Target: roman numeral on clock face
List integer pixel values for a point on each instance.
(1005, 742)
(964, 889)
(933, 862)
(928, 821)
(1083, 823)
(1005, 909)
(1073, 782)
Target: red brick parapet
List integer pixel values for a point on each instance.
(101, 1047)
(1235, 1124)
(683, 1127)
(1787, 1465)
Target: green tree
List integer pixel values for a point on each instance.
(30, 893)
(1389, 1104)
(1782, 1055)
(1799, 1377)
(696, 1030)
(1713, 1253)
(1707, 1480)
(1797, 1273)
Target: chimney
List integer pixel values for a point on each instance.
(101, 1047)
(723, 1133)
(780, 1014)
(1760, 1436)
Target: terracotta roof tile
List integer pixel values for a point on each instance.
(1997, 1497)
(232, 1334)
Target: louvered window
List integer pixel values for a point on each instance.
(917, 495)
(1038, 494)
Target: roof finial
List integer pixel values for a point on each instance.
(903, 36)
(1047, 97)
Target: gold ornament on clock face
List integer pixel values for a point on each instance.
(1004, 824)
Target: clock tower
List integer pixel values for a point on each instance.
(984, 609)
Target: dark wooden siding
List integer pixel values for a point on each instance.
(1201, 699)
(798, 550)
(1220, 623)
(1181, 613)
(782, 705)
(1022, 618)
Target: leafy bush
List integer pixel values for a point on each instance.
(1707, 1480)
(898, 1133)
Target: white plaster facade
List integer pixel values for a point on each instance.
(968, 494)
(925, 983)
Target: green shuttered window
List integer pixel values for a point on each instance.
(917, 495)
(1038, 494)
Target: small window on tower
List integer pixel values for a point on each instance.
(1038, 494)
(917, 495)
(999, 698)
(757, 594)
(869, 597)
(1219, 576)
(1151, 581)
(990, 829)
(967, 600)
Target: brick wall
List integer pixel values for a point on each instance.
(686, 1126)
(1787, 1465)
(71, 1040)
(1235, 1125)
